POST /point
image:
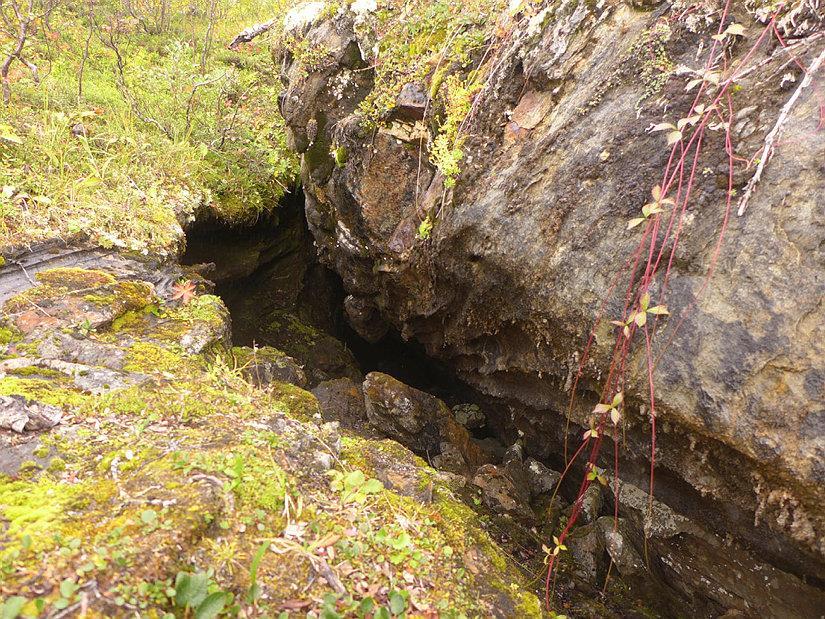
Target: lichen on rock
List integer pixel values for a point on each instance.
(198, 473)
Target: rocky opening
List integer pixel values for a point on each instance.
(504, 457)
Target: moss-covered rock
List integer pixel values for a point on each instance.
(197, 474)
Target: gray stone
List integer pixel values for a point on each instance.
(541, 479)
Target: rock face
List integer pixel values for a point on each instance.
(533, 237)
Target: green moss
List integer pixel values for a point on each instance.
(41, 390)
(151, 358)
(99, 299)
(203, 308)
(294, 401)
(39, 509)
(33, 370)
(9, 335)
(57, 465)
(74, 278)
(31, 348)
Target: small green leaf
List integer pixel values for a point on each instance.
(398, 601)
(640, 319)
(149, 516)
(190, 589)
(212, 606)
(635, 222)
(68, 588)
(12, 607)
(644, 302)
(354, 479)
(659, 309)
(372, 486)
(366, 607)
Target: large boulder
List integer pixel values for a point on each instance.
(417, 419)
(530, 242)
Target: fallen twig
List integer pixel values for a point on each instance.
(774, 134)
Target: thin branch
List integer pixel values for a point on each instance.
(773, 136)
(252, 32)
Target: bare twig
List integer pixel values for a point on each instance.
(190, 104)
(322, 567)
(774, 134)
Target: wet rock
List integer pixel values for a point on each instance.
(265, 365)
(513, 464)
(491, 446)
(20, 416)
(417, 419)
(203, 335)
(501, 494)
(364, 317)
(591, 504)
(586, 546)
(541, 479)
(342, 400)
(67, 346)
(470, 416)
(408, 415)
(509, 285)
(84, 299)
(694, 564)
(88, 378)
(451, 460)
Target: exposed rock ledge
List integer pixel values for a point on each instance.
(533, 233)
(141, 474)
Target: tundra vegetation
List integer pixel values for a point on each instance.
(181, 489)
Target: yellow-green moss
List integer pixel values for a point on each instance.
(151, 358)
(39, 509)
(33, 370)
(9, 335)
(40, 390)
(294, 401)
(75, 278)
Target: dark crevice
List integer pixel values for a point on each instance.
(271, 267)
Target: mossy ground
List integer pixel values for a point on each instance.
(125, 156)
(197, 471)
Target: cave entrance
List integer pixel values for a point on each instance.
(269, 277)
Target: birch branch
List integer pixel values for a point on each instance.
(774, 134)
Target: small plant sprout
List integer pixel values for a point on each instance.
(714, 77)
(699, 110)
(592, 432)
(612, 408)
(184, 291)
(652, 208)
(594, 473)
(557, 548)
(673, 132)
(639, 317)
(425, 228)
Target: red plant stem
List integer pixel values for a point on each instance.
(672, 173)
